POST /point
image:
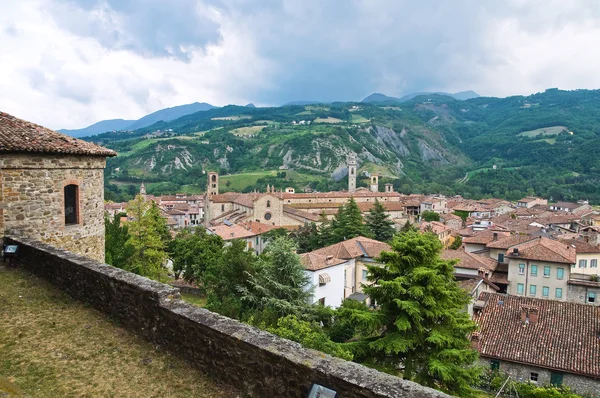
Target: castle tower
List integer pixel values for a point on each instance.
(351, 159)
(374, 182)
(213, 183)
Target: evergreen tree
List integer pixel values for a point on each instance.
(324, 231)
(306, 237)
(379, 223)
(349, 223)
(420, 322)
(117, 250)
(457, 243)
(407, 227)
(149, 255)
(279, 287)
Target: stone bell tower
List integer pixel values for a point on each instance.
(351, 159)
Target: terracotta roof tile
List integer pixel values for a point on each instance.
(581, 246)
(17, 135)
(484, 237)
(544, 249)
(314, 261)
(510, 241)
(564, 338)
(469, 260)
(354, 248)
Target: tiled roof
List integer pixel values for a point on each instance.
(564, 338)
(229, 232)
(18, 135)
(508, 242)
(544, 249)
(314, 261)
(354, 248)
(469, 260)
(303, 215)
(484, 237)
(436, 227)
(257, 228)
(581, 246)
(566, 205)
(341, 194)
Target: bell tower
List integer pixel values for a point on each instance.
(374, 182)
(351, 159)
(213, 183)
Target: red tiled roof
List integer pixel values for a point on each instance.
(354, 248)
(229, 232)
(510, 241)
(544, 249)
(17, 135)
(314, 261)
(581, 246)
(484, 237)
(564, 338)
(436, 227)
(469, 260)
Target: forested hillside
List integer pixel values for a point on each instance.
(544, 144)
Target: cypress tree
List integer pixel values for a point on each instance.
(379, 223)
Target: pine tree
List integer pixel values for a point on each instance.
(349, 223)
(279, 287)
(379, 223)
(420, 322)
(149, 255)
(408, 226)
(324, 231)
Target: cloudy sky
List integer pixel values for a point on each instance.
(70, 63)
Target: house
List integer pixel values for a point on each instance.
(531, 201)
(251, 232)
(540, 341)
(478, 241)
(497, 247)
(437, 204)
(474, 287)
(569, 207)
(587, 257)
(540, 268)
(51, 187)
(442, 231)
(452, 221)
(339, 271)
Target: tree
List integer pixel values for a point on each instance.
(192, 252)
(420, 322)
(408, 227)
(306, 237)
(279, 287)
(457, 243)
(348, 223)
(225, 277)
(148, 253)
(429, 215)
(117, 249)
(379, 223)
(324, 231)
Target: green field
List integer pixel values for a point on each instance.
(378, 169)
(554, 130)
(249, 130)
(236, 117)
(237, 182)
(328, 120)
(359, 119)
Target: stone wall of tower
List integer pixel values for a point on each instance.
(213, 183)
(32, 201)
(351, 173)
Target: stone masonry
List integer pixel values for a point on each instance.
(32, 200)
(256, 362)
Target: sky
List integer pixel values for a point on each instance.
(70, 63)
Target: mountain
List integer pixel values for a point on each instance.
(303, 103)
(100, 127)
(381, 98)
(250, 105)
(165, 115)
(543, 144)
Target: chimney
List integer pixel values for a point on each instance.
(475, 341)
(329, 259)
(516, 252)
(533, 314)
(523, 314)
(495, 236)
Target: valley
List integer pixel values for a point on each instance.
(427, 144)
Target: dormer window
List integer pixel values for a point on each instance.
(71, 193)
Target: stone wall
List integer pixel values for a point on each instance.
(32, 200)
(578, 291)
(522, 373)
(258, 363)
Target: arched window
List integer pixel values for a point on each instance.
(214, 178)
(71, 193)
(268, 203)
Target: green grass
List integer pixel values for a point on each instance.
(374, 168)
(329, 119)
(194, 299)
(248, 130)
(192, 189)
(53, 346)
(550, 141)
(359, 119)
(554, 130)
(240, 181)
(236, 117)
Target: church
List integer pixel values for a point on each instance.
(289, 209)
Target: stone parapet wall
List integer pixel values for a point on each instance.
(258, 363)
(32, 200)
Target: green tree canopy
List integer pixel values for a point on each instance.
(379, 223)
(117, 248)
(192, 252)
(429, 215)
(348, 223)
(421, 322)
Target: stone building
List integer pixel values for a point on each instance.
(540, 341)
(51, 187)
